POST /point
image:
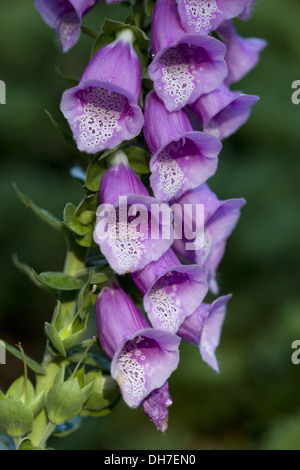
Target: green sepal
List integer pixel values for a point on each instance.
(16, 390)
(64, 401)
(16, 419)
(86, 391)
(31, 363)
(108, 33)
(60, 375)
(43, 214)
(26, 444)
(78, 332)
(138, 159)
(54, 338)
(80, 377)
(2, 395)
(64, 134)
(80, 220)
(104, 394)
(94, 174)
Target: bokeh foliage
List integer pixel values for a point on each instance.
(254, 401)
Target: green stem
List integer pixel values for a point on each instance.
(46, 434)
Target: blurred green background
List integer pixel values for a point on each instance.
(254, 402)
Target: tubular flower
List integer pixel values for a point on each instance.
(172, 291)
(185, 66)
(142, 358)
(203, 329)
(220, 218)
(182, 159)
(127, 240)
(245, 15)
(102, 110)
(202, 16)
(242, 54)
(223, 111)
(65, 17)
(156, 407)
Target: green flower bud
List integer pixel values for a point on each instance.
(16, 419)
(64, 401)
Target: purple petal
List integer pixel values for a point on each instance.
(129, 243)
(166, 27)
(65, 17)
(117, 317)
(156, 407)
(192, 327)
(186, 69)
(242, 54)
(183, 164)
(223, 111)
(175, 296)
(220, 219)
(162, 127)
(119, 180)
(202, 16)
(144, 363)
(145, 278)
(245, 15)
(185, 65)
(102, 110)
(210, 337)
(172, 291)
(203, 329)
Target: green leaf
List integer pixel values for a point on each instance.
(65, 135)
(148, 6)
(95, 171)
(73, 81)
(53, 336)
(92, 33)
(138, 159)
(26, 269)
(58, 280)
(41, 213)
(33, 365)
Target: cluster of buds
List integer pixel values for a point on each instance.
(151, 233)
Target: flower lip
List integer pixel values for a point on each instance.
(214, 51)
(167, 309)
(146, 249)
(207, 146)
(69, 105)
(165, 362)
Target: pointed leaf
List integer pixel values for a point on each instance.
(41, 213)
(65, 135)
(53, 336)
(58, 280)
(33, 365)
